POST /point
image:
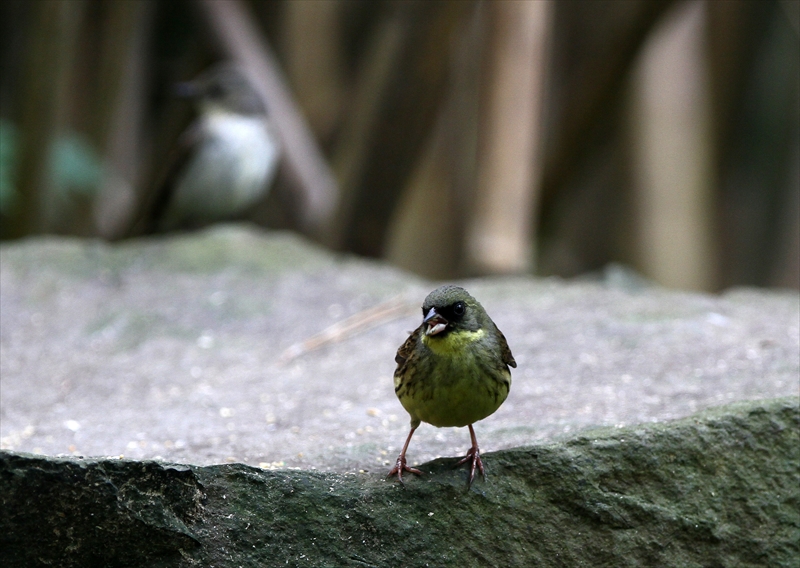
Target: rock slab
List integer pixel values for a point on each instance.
(196, 349)
(720, 488)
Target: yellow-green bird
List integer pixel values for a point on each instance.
(453, 370)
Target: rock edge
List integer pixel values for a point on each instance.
(721, 488)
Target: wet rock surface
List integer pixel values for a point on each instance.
(718, 489)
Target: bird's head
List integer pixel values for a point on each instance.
(451, 308)
(224, 87)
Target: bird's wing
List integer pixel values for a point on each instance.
(403, 375)
(505, 351)
(405, 350)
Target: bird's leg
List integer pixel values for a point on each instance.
(400, 465)
(474, 456)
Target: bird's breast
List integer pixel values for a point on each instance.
(460, 381)
(232, 167)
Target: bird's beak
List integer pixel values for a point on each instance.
(435, 322)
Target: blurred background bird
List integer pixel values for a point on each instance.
(223, 163)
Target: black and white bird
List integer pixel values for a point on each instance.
(225, 161)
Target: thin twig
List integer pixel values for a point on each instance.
(350, 326)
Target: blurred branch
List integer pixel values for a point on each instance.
(241, 40)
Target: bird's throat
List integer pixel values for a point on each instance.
(453, 342)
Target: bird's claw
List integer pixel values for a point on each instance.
(473, 456)
(399, 467)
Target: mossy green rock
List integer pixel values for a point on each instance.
(721, 488)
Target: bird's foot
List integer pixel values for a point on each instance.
(473, 456)
(399, 467)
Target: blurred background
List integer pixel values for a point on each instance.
(451, 138)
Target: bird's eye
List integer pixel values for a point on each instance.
(459, 308)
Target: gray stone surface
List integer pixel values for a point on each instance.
(721, 488)
(174, 349)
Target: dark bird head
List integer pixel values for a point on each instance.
(223, 87)
(451, 308)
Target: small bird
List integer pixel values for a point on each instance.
(453, 370)
(224, 162)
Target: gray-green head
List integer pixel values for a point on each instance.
(451, 308)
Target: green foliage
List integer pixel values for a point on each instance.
(8, 152)
(74, 166)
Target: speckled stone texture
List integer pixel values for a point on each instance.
(185, 349)
(185, 353)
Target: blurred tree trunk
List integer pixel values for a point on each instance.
(584, 213)
(50, 51)
(755, 75)
(502, 224)
(594, 46)
(107, 35)
(423, 233)
(352, 149)
(673, 153)
(313, 50)
(396, 103)
(426, 232)
(124, 88)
